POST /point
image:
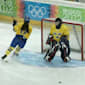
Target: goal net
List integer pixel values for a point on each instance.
(77, 39)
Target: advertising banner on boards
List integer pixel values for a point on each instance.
(8, 7)
(37, 11)
(68, 13)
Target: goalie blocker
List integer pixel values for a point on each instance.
(58, 39)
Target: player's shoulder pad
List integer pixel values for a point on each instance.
(20, 24)
(53, 26)
(64, 26)
(30, 28)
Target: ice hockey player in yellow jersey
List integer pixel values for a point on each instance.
(58, 39)
(23, 31)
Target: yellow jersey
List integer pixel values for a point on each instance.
(58, 33)
(17, 29)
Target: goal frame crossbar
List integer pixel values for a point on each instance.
(73, 23)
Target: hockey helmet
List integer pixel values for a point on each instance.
(27, 19)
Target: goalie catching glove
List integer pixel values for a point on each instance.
(50, 39)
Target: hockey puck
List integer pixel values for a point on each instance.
(59, 82)
(6, 61)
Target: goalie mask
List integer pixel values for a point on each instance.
(58, 23)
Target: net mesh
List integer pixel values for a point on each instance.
(77, 33)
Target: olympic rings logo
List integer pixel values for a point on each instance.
(37, 11)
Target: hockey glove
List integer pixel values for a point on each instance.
(50, 39)
(14, 22)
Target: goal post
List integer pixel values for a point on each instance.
(76, 35)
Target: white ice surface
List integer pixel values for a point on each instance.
(30, 69)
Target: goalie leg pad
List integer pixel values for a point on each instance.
(64, 48)
(64, 55)
(50, 54)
